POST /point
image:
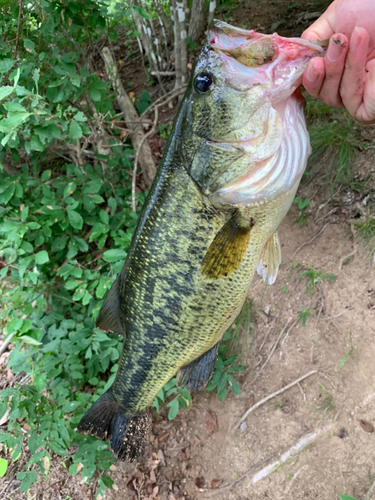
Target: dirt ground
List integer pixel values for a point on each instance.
(199, 453)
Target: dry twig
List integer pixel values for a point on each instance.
(350, 308)
(270, 396)
(238, 480)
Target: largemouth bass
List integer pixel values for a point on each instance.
(229, 174)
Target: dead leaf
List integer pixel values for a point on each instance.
(46, 463)
(250, 402)
(215, 483)
(152, 477)
(185, 453)
(211, 422)
(197, 441)
(160, 456)
(366, 426)
(200, 482)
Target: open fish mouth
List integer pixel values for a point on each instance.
(268, 68)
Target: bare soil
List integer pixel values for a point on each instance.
(198, 453)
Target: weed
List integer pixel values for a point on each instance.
(316, 277)
(304, 315)
(325, 404)
(165, 130)
(335, 139)
(346, 497)
(284, 289)
(367, 231)
(303, 217)
(344, 359)
(182, 398)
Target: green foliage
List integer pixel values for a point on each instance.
(165, 130)
(303, 218)
(325, 404)
(181, 399)
(346, 497)
(64, 233)
(367, 231)
(225, 368)
(345, 358)
(315, 279)
(335, 140)
(304, 315)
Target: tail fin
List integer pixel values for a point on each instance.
(128, 436)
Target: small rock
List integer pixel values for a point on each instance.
(243, 426)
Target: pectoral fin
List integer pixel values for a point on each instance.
(227, 250)
(109, 318)
(270, 260)
(195, 375)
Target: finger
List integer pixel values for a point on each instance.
(313, 76)
(366, 112)
(320, 30)
(334, 65)
(354, 77)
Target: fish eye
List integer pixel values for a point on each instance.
(203, 82)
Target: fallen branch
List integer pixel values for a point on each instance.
(318, 233)
(270, 396)
(131, 117)
(307, 439)
(6, 342)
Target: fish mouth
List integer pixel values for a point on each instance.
(256, 49)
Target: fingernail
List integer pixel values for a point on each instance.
(311, 74)
(334, 49)
(355, 39)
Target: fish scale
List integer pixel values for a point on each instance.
(205, 227)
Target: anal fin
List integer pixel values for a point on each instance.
(108, 319)
(270, 260)
(195, 375)
(228, 248)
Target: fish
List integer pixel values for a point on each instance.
(237, 151)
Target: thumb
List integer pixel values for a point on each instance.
(320, 30)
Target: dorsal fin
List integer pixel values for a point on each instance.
(108, 319)
(228, 248)
(270, 260)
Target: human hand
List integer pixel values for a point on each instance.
(345, 77)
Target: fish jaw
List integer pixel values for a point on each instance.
(272, 61)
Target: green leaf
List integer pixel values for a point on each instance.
(5, 91)
(114, 255)
(104, 217)
(345, 497)
(12, 121)
(48, 25)
(29, 45)
(14, 106)
(6, 65)
(75, 219)
(234, 385)
(30, 478)
(3, 466)
(25, 339)
(75, 131)
(112, 35)
(173, 409)
(41, 257)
